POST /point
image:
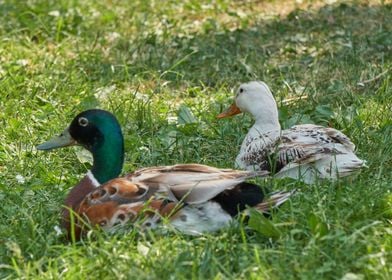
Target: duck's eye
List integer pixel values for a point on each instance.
(241, 90)
(83, 121)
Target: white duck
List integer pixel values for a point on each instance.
(304, 152)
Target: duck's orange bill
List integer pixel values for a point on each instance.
(233, 110)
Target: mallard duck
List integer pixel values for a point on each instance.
(306, 152)
(195, 198)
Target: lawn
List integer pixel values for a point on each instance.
(166, 70)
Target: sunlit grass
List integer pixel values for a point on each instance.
(166, 70)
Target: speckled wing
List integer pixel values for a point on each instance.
(320, 134)
(300, 144)
(309, 143)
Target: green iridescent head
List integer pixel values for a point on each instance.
(99, 132)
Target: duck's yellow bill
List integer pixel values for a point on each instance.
(63, 140)
(233, 110)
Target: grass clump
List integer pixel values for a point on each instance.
(166, 71)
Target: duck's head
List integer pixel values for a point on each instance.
(99, 132)
(255, 98)
(87, 129)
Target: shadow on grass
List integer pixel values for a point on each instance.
(335, 42)
(328, 49)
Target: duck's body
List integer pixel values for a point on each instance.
(195, 198)
(196, 206)
(305, 152)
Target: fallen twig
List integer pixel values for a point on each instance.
(363, 83)
(294, 99)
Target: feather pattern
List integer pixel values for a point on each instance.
(181, 192)
(190, 219)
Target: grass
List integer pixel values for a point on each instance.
(166, 70)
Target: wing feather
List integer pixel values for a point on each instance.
(192, 183)
(309, 143)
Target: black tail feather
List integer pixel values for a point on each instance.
(243, 195)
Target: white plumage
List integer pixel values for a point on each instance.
(304, 152)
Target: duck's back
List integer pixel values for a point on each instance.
(303, 152)
(316, 134)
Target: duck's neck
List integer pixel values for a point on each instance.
(265, 113)
(263, 126)
(108, 158)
